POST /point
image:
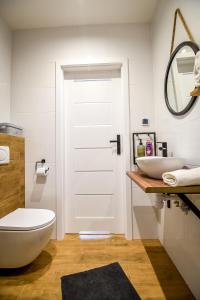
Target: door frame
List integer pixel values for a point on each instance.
(61, 66)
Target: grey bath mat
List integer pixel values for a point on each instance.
(104, 283)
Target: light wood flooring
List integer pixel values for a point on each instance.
(144, 261)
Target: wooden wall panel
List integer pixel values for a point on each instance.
(12, 176)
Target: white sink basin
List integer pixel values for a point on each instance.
(155, 166)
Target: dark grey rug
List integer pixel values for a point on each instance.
(104, 283)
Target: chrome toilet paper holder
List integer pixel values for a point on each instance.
(41, 162)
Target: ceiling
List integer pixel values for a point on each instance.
(27, 14)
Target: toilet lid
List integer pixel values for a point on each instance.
(27, 219)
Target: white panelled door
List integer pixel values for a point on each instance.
(93, 185)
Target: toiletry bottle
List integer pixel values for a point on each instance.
(149, 147)
(140, 149)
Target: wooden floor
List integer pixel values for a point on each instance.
(145, 262)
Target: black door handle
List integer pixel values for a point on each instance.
(118, 141)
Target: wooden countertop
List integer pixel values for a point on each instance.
(150, 185)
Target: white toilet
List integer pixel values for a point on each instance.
(23, 234)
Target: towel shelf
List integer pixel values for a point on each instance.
(150, 185)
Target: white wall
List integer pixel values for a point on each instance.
(33, 93)
(5, 71)
(180, 233)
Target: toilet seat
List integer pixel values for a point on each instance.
(25, 219)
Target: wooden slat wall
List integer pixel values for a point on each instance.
(12, 179)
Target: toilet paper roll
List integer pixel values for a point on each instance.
(42, 171)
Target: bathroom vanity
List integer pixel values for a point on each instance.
(150, 185)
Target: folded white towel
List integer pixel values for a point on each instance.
(183, 177)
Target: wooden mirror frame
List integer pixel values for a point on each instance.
(195, 48)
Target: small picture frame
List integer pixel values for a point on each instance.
(143, 136)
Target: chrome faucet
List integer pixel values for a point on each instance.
(163, 148)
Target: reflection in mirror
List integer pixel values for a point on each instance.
(179, 81)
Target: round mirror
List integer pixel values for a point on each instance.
(179, 79)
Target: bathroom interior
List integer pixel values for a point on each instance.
(99, 149)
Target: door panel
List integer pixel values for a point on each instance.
(93, 183)
(94, 206)
(86, 114)
(93, 159)
(92, 137)
(91, 91)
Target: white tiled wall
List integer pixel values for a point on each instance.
(33, 107)
(179, 233)
(33, 94)
(5, 72)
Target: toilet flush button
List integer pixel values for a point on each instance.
(4, 155)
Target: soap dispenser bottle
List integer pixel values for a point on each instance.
(140, 149)
(149, 147)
